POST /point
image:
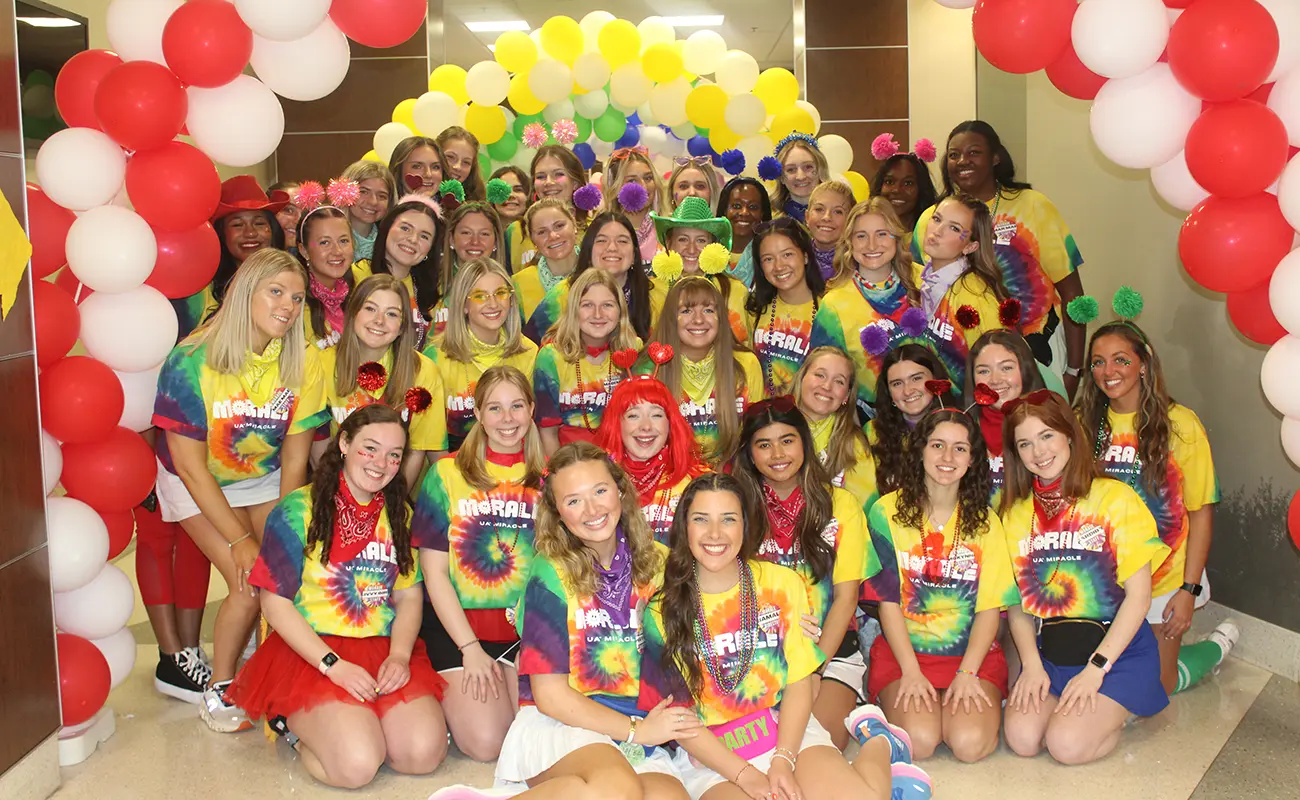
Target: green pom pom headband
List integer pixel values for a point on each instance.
(498, 191)
(1127, 304)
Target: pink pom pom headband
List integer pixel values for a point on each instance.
(311, 197)
(885, 147)
(426, 200)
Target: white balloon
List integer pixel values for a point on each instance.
(304, 69)
(282, 22)
(434, 112)
(646, 114)
(130, 332)
(141, 389)
(754, 148)
(628, 85)
(524, 158)
(1288, 192)
(1285, 102)
(135, 27)
(389, 135)
(1291, 439)
(1284, 293)
(703, 51)
(591, 71)
(838, 152)
(487, 83)
(550, 81)
(78, 543)
(668, 101)
(591, 25)
(111, 249)
(655, 30)
(812, 112)
(554, 112)
(51, 461)
(80, 168)
(1175, 184)
(239, 124)
(1286, 13)
(602, 149)
(592, 104)
(1120, 38)
(1142, 121)
(737, 72)
(956, 3)
(119, 650)
(654, 139)
(98, 609)
(744, 114)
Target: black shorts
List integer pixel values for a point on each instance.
(443, 652)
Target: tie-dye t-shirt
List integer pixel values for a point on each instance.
(1076, 567)
(847, 536)
(427, 428)
(952, 341)
(487, 535)
(783, 654)
(244, 426)
(700, 412)
(1190, 484)
(782, 336)
(561, 633)
(459, 378)
(192, 311)
(860, 479)
(354, 598)
(520, 250)
(548, 312)
(321, 340)
(564, 400)
(663, 507)
(939, 582)
(529, 291)
(846, 309)
(421, 317)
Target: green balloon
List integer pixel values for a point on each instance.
(39, 77)
(504, 149)
(702, 131)
(523, 121)
(611, 125)
(584, 128)
(484, 164)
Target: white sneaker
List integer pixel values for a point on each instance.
(219, 713)
(1225, 635)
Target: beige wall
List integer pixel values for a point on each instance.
(941, 67)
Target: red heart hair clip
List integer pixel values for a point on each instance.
(624, 359)
(660, 353)
(985, 395)
(938, 387)
(417, 399)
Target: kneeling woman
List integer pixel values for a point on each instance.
(724, 638)
(1083, 548)
(341, 590)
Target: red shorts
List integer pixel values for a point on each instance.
(277, 682)
(883, 669)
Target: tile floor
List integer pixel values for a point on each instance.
(1232, 737)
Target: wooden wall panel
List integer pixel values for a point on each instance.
(319, 156)
(11, 137)
(861, 134)
(858, 84)
(364, 100)
(855, 23)
(22, 528)
(29, 701)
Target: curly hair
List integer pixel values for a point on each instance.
(972, 491)
(891, 426)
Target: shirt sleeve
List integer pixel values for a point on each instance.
(432, 517)
(429, 427)
(997, 587)
(658, 683)
(884, 584)
(543, 623)
(1191, 451)
(753, 378)
(1134, 535)
(179, 406)
(413, 578)
(281, 560)
(309, 412)
(854, 561)
(1057, 253)
(826, 329)
(546, 388)
(802, 657)
(918, 235)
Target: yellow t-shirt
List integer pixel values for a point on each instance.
(951, 339)
(427, 428)
(860, 479)
(520, 249)
(459, 379)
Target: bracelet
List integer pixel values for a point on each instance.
(461, 647)
(231, 545)
(631, 734)
(736, 780)
(788, 755)
(967, 672)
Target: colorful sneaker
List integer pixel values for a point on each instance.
(280, 725)
(219, 713)
(180, 676)
(463, 792)
(869, 721)
(910, 783)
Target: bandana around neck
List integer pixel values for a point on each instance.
(793, 208)
(331, 299)
(354, 523)
(825, 261)
(646, 475)
(486, 356)
(699, 377)
(1048, 499)
(614, 585)
(783, 516)
(257, 367)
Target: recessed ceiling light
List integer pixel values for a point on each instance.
(492, 48)
(50, 22)
(499, 26)
(697, 21)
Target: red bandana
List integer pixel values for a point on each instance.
(504, 459)
(1048, 501)
(354, 524)
(991, 427)
(595, 352)
(646, 475)
(783, 516)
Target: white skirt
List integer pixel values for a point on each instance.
(535, 743)
(176, 504)
(699, 779)
(1156, 614)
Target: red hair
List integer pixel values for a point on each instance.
(683, 453)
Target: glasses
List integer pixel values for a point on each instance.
(623, 153)
(783, 404)
(502, 295)
(694, 161)
(1035, 398)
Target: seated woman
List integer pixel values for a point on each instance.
(406, 247)
(823, 391)
(903, 397)
(697, 244)
(341, 591)
(1083, 549)
(724, 639)
(474, 526)
(591, 333)
(828, 210)
(551, 224)
(938, 672)
(787, 288)
(745, 204)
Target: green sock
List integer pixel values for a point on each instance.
(1195, 662)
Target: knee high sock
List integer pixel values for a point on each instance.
(1195, 662)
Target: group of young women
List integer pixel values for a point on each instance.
(671, 472)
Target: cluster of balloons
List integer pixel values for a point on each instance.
(620, 84)
(40, 116)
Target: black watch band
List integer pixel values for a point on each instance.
(1194, 589)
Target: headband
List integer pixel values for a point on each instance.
(885, 147)
(1127, 305)
(341, 193)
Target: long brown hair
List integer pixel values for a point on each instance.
(403, 151)
(471, 458)
(984, 260)
(325, 485)
(313, 307)
(404, 369)
(973, 490)
(571, 165)
(845, 266)
(473, 183)
(1030, 378)
(574, 561)
(449, 259)
(891, 426)
(846, 433)
(637, 278)
(1055, 413)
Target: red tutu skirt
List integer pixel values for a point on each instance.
(883, 669)
(277, 682)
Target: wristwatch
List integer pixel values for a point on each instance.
(1073, 372)
(1100, 662)
(1194, 589)
(327, 661)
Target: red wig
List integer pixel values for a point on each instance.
(683, 453)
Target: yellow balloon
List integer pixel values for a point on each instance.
(521, 98)
(861, 189)
(488, 123)
(790, 120)
(620, 42)
(723, 138)
(402, 113)
(450, 79)
(778, 89)
(661, 63)
(705, 105)
(687, 74)
(373, 156)
(562, 39)
(516, 51)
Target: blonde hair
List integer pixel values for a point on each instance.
(780, 194)
(402, 375)
(662, 204)
(566, 333)
(471, 458)
(555, 205)
(455, 340)
(845, 430)
(837, 186)
(845, 266)
(706, 169)
(572, 559)
(368, 170)
(229, 333)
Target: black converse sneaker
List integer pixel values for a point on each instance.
(181, 675)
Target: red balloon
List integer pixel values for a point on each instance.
(115, 473)
(58, 322)
(175, 187)
(1293, 518)
(1178, 3)
(187, 260)
(1068, 74)
(141, 105)
(69, 283)
(1017, 36)
(1231, 245)
(1237, 148)
(378, 23)
(84, 678)
(1251, 314)
(1223, 49)
(121, 529)
(81, 400)
(74, 89)
(206, 43)
(48, 224)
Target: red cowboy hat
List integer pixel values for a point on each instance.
(241, 193)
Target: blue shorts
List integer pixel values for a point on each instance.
(1133, 681)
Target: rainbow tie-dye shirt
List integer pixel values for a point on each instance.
(783, 654)
(427, 430)
(1077, 567)
(845, 311)
(562, 400)
(661, 509)
(487, 535)
(1190, 484)
(561, 633)
(459, 378)
(860, 479)
(939, 584)
(952, 341)
(782, 338)
(549, 311)
(192, 311)
(354, 598)
(244, 427)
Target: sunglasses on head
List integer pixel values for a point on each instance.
(783, 404)
(696, 161)
(623, 153)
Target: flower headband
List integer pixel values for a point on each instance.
(311, 197)
(885, 147)
(564, 131)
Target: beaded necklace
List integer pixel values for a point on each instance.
(1102, 444)
(609, 384)
(1034, 531)
(768, 383)
(939, 575)
(746, 637)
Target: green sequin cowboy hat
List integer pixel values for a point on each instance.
(694, 212)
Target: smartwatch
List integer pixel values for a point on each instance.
(327, 661)
(1100, 662)
(1194, 589)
